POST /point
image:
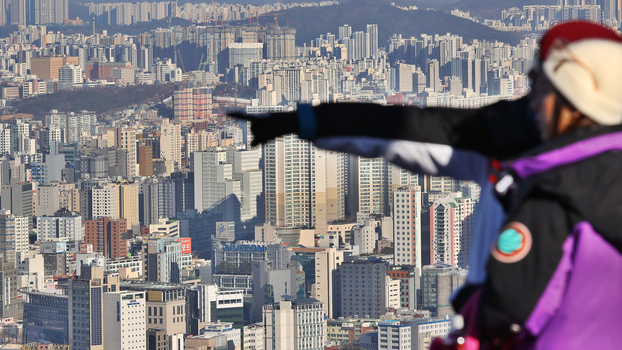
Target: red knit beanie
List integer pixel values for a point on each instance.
(574, 31)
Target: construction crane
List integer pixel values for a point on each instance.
(276, 15)
(173, 41)
(182, 61)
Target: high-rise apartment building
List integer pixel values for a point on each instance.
(125, 138)
(170, 141)
(13, 235)
(345, 31)
(145, 157)
(125, 320)
(451, 222)
(433, 183)
(372, 31)
(434, 81)
(303, 185)
(192, 103)
(127, 205)
(104, 202)
(295, 325)
(280, 43)
(407, 226)
(377, 178)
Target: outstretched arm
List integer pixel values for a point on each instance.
(500, 130)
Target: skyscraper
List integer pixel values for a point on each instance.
(170, 141)
(345, 31)
(434, 82)
(303, 184)
(372, 31)
(126, 204)
(451, 221)
(125, 138)
(104, 202)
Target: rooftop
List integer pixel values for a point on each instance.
(142, 285)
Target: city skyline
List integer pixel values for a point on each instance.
(158, 224)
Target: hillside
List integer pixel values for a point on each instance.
(310, 22)
(481, 8)
(100, 99)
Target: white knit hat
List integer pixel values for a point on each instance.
(588, 73)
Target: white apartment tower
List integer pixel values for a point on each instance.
(70, 73)
(170, 141)
(295, 325)
(103, 201)
(124, 320)
(407, 226)
(66, 227)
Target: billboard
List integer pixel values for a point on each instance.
(86, 248)
(186, 245)
(53, 247)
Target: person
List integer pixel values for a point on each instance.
(462, 143)
(554, 269)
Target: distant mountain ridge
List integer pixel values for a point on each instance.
(482, 8)
(310, 22)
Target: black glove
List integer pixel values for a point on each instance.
(267, 127)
